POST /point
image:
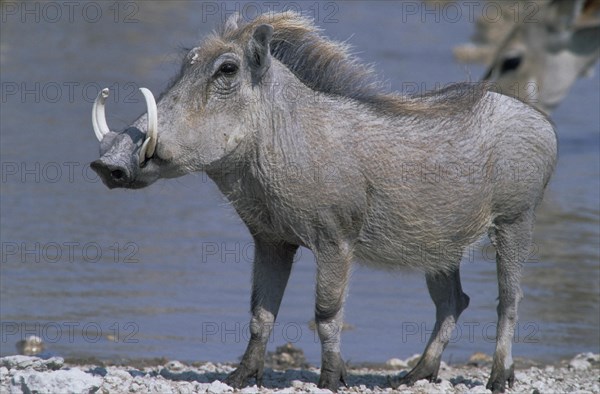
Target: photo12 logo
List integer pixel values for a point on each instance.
(471, 11)
(237, 332)
(69, 331)
(69, 11)
(68, 252)
(53, 92)
(49, 172)
(319, 11)
(470, 331)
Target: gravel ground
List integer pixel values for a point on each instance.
(26, 374)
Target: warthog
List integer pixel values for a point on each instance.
(312, 153)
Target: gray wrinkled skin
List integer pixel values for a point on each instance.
(311, 153)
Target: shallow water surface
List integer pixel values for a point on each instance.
(165, 271)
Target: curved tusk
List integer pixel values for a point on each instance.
(142, 155)
(152, 132)
(98, 115)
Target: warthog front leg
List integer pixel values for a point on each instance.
(332, 281)
(272, 266)
(512, 241)
(446, 292)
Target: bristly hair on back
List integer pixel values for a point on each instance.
(329, 67)
(321, 64)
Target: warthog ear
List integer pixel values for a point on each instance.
(260, 58)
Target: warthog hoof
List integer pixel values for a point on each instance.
(423, 370)
(499, 378)
(238, 378)
(333, 371)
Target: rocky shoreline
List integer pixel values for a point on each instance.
(27, 374)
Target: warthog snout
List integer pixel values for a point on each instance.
(124, 154)
(119, 165)
(112, 175)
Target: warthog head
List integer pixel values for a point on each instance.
(203, 117)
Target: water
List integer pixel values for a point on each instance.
(165, 271)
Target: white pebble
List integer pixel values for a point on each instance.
(218, 387)
(396, 363)
(579, 364)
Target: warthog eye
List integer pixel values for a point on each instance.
(228, 68)
(509, 64)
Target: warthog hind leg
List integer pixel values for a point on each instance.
(446, 292)
(512, 241)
